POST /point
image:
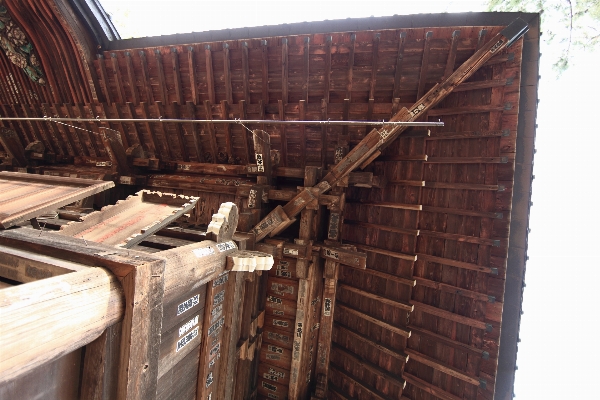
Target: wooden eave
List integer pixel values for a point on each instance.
(465, 246)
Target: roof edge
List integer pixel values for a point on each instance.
(329, 26)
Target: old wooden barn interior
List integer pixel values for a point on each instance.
(149, 250)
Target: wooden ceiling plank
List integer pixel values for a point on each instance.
(403, 231)
(118, 78)
(228, 144)
(210, 128)
(467, 160)
(146, 77)
(117, 109)
(176, 75)
(227, 74)
(160, 70)
(368, 366)
(374, 64)
(397, 354)
(327, 73)
(461, 186)
(438, 365)
(24, 128)
(54, 131)
(350, 70)
(397, 330)
(373, 394)
(192, 74)
(65, 132)
(400, 206)
(191, 114)
(284, 70)
(452, 54)
(424, 64)
(132, 79)
(104, 77)
(245, 73)
(38, 130)
(174, 110)
(462, 238)
(397, 304)
(487, 84)
(429, 388)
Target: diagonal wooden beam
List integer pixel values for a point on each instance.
(452, 54)
(373, 143)
(132, 80)
(210, 80)
(424, 64)
(227, 73)
(192, 74)
(245, 72)
(104, 77)
(145, 77)
(160, 70)
(284, 70)
(117, 76)
(176, 75)
(265, 72)
(374, 64)
(399, 61)
(350, 71)
(327, 83)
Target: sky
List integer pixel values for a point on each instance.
(560, 328)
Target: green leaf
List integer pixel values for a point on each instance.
(27, 48)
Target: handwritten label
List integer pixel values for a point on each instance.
(417, 110)
(226, 246)
(252, 198)
(278, 287)
(283, 324)
(260, 165)
(273, 357)
(274, 349)
(215, 350)
(188, 325)
(203, 252)
(221, 280)
(219, 297)
(283, 274)
(273, 396)
(216, 313)
(276, 373)
(268, 386)
(278, 313)
(273, 299)
(327, 307)
(125, 180)
(331, 254)
(216, 326)
(293, 252)
(186, 339)
(278, 337)
(209, 379)
(189, 303)
(496, 46)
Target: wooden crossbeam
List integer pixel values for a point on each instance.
(457, 264)
(453, 289)
(265, 72)
(306, 68)
(374, 64)
(397, 354)
(452, 54)
(426, 308)
(394, 254)
(192, 74)
(176, 75)
(117, 77)
(284, 70)
(429, 388)
(458, 211)
(463, 238)
(438, 365)
(146, 77)
(449, 342)
(211, 127)
(104, 77)
(162, 86)
(424, 64)
(397, 304)
(210, 80)
(371, 391)
(397, 330)
(131, 77)
(403, 231)
(327, 73)
(372, 144)
(350, 71)
(245, 73)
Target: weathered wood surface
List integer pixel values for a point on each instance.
(43, 194)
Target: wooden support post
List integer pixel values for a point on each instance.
(327, 73)
(245, 73)
(192, 74)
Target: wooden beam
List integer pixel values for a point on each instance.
(115, 150)
(91, 135)
(395, 329)
(461, 186)
(192, 75)
(374, 64)
(401, 256)
(162, 85)
(452, 54)
(179, 131)
(399, 62)
(124, 129)
(75, 132)
(350, 70)
(326, 328)
(176, 75)
(245, 73)
(429, 388)
(135, 97)
(390, 277)
(324, 143)
(467, 160)
(449, 342)
(424, 64)
(210, 128)
(327, 73)
(306, 68)
(118, 79)
(228, 143)
(78, 307)
(152, 144)
(265, 72)
(191, 111)
(104, 77)
(284, 71)
(371, 391)
(146, 77)
(302, 115)
(463, 238)
(443, 287)
(384, 300)
(437, 365)
(458, 264)
(450, 316)
(283, 131)
(227, 74)
(389, 204)
(458, 211)
(245, 133)
(66, 134)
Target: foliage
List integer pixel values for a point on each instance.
(567, 25)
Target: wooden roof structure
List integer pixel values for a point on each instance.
(441, 214)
